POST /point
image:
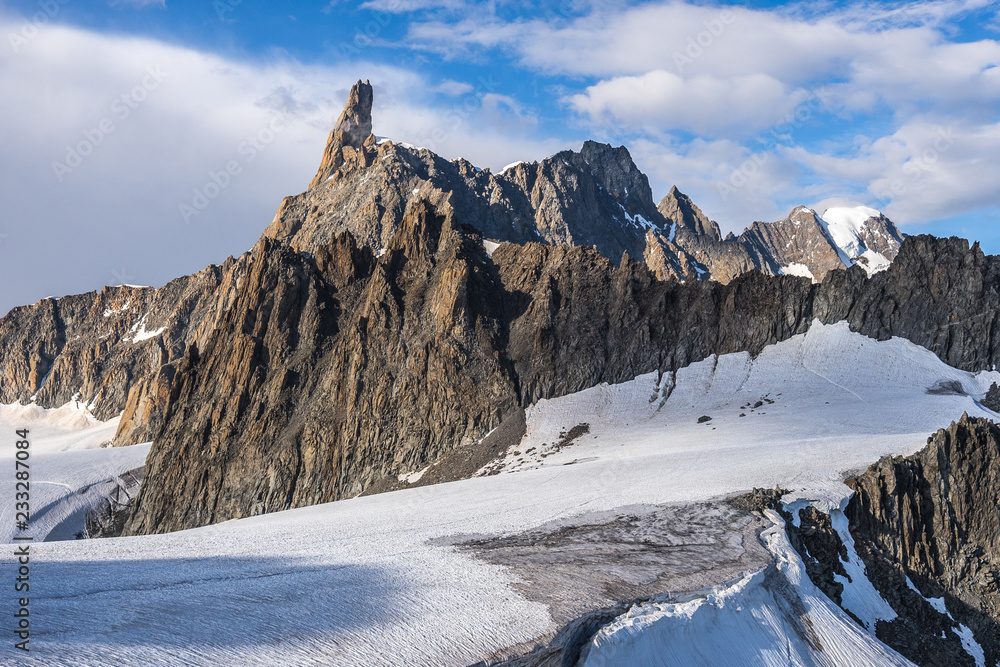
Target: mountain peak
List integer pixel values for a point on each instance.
(678, 208)
(353, 128)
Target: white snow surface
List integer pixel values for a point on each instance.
(798, 269)
(68, 468)
(490, 246)
(512, 165)
(138, 331)
(638, 220)
(938, 603)
(970, 645)
(859, 596)
(367, 580)
(845, 225)
(741, 625)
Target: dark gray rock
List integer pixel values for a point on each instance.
(798, 239)
(992, 399)
(935, 517)
(759, 500)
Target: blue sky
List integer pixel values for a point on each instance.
(750, 108)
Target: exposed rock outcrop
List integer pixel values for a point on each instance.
(992, 399)
(350, 133)
(720, 259)
(333, 375)
(933, 517)
(98, 348)
(800, 239)
(803, 244)
(596, 197)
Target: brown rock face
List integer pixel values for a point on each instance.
(934, 517)
(700, 238)
(97, 347)
(678, 208)
(595, 197)
(351, 131)
(330, 375)
(798, 239)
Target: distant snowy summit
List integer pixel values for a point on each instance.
(810, 245)
(803, 244)
(595, 197)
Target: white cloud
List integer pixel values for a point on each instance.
(663, 101)
(923, 172)
(453, 88)
(727, 72)
(867, 54)
(134, 147)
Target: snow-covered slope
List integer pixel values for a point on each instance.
(70, 470)
(743, 624)
(848, 227)
(376, 580)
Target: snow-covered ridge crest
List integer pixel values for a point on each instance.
(854, 230)
(752, 617)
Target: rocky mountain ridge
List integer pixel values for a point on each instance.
(116, 350)
(334, 374)
(595, 197)
(376, 327)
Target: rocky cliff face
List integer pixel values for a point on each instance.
(593, 197)
(927, 526)
(800, 240)
(938, 293)
(349, 134)
(330, 374)
(333, 374)
(117, 350)
(106, 349)
(718, 259)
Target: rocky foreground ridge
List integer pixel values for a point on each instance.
(405, 306)
(927, 528)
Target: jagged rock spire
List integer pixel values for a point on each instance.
(352, 129)
(679, 208)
